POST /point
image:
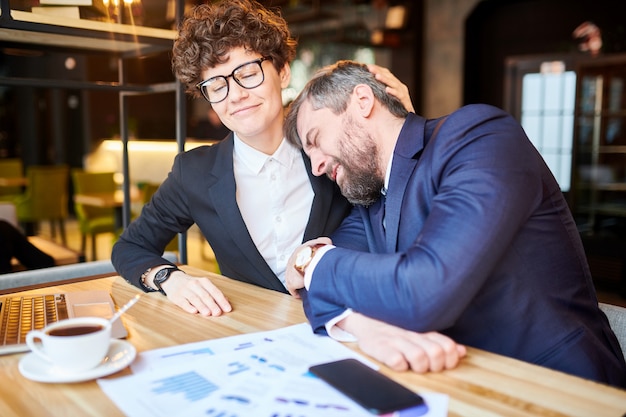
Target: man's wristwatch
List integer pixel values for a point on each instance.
(163, 275)
(305, 256)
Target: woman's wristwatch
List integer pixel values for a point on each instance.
(160, 277)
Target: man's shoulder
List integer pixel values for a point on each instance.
(479, 110)
(475, 119)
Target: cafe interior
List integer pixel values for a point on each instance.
(108, 103)
(91, 115)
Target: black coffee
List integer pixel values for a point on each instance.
(75, 330)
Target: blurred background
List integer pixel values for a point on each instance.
(559, 66)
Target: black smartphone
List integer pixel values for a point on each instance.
(367, 387)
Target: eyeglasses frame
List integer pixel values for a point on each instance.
(232, 75)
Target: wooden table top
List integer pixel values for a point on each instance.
(13, 181)
(62, 254)
(112, 199)
(483, 385)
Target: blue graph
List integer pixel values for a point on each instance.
(201, 351)
(192, 385)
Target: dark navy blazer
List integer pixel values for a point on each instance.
(479, 244)
(201, 189)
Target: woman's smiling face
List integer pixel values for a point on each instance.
(256, 112)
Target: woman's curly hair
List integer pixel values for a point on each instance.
(210, 31)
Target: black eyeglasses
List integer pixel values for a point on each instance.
(248, 75)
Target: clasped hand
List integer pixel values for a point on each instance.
(294, 280)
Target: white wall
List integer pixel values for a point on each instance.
(149, 161)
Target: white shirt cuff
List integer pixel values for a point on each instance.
(308, 272)
(337, 333)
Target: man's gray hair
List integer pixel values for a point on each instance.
(331, 88)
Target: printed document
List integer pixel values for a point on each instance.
(262, 374)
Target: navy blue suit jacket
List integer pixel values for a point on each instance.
(479, 244)
(201, 189)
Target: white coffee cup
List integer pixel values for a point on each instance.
(73, 345)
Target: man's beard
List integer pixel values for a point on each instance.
(363, 178)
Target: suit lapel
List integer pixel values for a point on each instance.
(404, 169)
(410, 144)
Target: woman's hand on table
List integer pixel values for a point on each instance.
(196, 295)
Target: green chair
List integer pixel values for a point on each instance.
(45, 198)
(10, 168)
(93, 221)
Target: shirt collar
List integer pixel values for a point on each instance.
(387, 175)
(255, 160)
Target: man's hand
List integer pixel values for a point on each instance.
(394, 85)
(402, 349)
(196, 295)
(294, 279)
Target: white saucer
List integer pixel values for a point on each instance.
(120, 355)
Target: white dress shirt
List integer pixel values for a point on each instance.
(274, 196)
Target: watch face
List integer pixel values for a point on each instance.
(303, 256)
(161, 274)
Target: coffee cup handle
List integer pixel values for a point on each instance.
(36, 348)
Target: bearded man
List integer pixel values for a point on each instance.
(459, 228)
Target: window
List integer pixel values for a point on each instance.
(541, 93)
(547, 115)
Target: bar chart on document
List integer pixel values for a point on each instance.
(189, 384)
(263, 374)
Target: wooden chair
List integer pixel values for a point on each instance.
(93, 221)
(45, 198)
